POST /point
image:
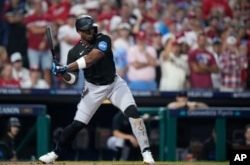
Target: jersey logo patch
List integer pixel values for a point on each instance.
(103, 45)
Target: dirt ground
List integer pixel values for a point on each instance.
(114, 163)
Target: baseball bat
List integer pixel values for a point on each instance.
(49, 36)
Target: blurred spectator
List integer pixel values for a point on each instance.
(3, 28)
(182, 101)
(245, 142)
(232, 62)
(59, 11)
(217, 18)
(194, 152)
(216, 51)
(202, 64)
(19, 72)
(141, 65)
(214, 28)
(121, 64)
(14, 16)
(174, 68)
(93, 8)
(8, 141)
(124, 40)
(192, 28)
(67, 37)
(3, 57)
(247, 136)
(6, 78)
(124, 15)
(157, 44)
(216, 7)
(105, 15)
(36, 80)
(77, 8)
(121, 46)
(38, 52)
(123, 142)
(209, 147)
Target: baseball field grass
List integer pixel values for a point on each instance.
(113, 163)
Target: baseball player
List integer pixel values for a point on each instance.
(94, 55)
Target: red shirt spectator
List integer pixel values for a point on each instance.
(6, 78)
(59, 11)
(219, 5)
(203, 57)
(36, 25)
(233, 65)
(202, 65)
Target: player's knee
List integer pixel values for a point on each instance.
(131, 111)
(77, 125)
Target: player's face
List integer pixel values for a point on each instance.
(87, 35)
(14, 130)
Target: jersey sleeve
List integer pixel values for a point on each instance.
(103, 43)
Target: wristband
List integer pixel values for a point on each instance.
(81, 63)
(72, 78)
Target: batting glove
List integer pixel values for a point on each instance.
(58, 69)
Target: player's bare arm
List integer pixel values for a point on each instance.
(86, 61)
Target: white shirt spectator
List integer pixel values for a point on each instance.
(174, 72)
(64, 33)
(23, 75)
(142, 74)
(36, 81)
(19, 72)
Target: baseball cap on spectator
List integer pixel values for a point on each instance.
(180, 37)
(125, 26)
(15, 57)
(14, 122)
(231, 40)
(166, 37)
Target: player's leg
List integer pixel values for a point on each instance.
(140, 132)
(91, 100)
(121, 97)
(64, 141)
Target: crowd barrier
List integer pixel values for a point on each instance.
(41, 127)
(168, 120)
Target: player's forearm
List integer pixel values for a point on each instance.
(85, 61)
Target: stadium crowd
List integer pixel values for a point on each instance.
(165, 45)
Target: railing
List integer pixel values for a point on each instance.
(41, 127)
(168, 120)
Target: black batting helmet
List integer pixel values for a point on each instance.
(84, 22)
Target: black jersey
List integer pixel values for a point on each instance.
(103, 71)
